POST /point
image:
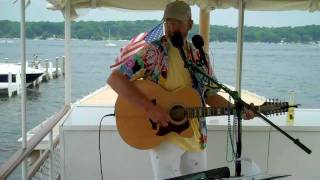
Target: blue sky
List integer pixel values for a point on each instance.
(37, 12)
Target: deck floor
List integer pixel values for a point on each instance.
(106, 96)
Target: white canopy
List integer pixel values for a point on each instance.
(259, 5)
(267, 5)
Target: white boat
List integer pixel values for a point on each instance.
(74, 152)
(109, 43)
(32, 74)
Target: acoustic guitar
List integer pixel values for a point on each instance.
(137, 130)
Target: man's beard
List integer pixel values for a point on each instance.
(184, 36)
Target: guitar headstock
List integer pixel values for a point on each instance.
(275, 107)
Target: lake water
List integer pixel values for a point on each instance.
(270, 70)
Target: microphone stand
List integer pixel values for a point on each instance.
(239, 105)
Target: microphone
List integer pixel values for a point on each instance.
(177, 42)
(198, 43)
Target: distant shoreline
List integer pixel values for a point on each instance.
(16, 40)
(127, 29)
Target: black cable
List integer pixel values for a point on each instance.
(101, 173)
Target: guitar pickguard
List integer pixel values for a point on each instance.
(170, 128)
(173, 128)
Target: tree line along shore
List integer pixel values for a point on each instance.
(124, 30)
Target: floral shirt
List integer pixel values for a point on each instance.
(152, 63)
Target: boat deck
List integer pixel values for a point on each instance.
(107, 97)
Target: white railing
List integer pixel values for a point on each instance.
(47, 165)
(20, 157)
(22, 154)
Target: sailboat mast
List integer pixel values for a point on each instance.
(109, 35)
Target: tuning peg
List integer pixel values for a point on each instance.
(277, 102)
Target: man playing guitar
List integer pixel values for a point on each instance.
(161, 63)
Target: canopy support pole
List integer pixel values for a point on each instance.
(23, 86)
(241, 6)
(67, 36)
(204, 27)
(239, 46)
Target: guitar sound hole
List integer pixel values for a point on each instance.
(177, 113)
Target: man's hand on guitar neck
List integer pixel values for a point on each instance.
(158, 115)
(247, 113)
(219, 101)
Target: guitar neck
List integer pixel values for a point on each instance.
(193, 112)
(266, 108)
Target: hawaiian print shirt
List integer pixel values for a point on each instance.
(152, 63)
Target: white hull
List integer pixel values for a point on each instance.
(6, 85)
(109, 44)
(15, 70)
(5, 68)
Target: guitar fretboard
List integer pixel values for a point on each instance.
(267, 108)
(193, 112)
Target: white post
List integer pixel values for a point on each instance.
(51, 155)
(9, 84)
(63, 65)
(18, 82)
(238, 85)
(57, 67)
(47, 71)
(239, 46)
(23, 89)
(67, 31)
(50, 70)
